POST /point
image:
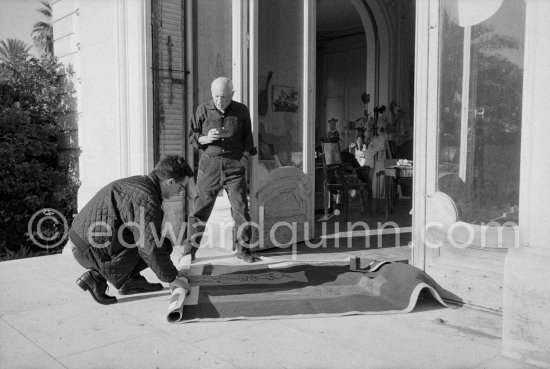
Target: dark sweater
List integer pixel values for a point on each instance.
(117, 244)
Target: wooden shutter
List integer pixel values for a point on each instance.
(170, 128)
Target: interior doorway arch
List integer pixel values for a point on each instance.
(369, 27)
(384, 31)
(377, 25)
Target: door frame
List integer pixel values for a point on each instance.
(425, 124)
(474, 274)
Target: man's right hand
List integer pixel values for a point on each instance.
(180, 282)
(213, 135)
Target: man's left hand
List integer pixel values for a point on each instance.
(244, 161)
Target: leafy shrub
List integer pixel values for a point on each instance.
(35, 97)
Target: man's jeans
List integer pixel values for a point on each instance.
(215, 174)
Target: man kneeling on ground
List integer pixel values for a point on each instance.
(118, 233)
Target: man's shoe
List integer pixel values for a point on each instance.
(245, 256)
(189, 250)
(92, 281)
(138, 284)
(192, 254)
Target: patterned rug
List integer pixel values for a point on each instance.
(286, 290)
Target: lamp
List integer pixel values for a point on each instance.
(467, 13)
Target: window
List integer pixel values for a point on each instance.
(280, 72)
(480, 106)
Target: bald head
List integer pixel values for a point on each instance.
(222, 92)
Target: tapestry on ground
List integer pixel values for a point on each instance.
(285, 290)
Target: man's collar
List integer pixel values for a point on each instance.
(156, 180)
(210, 105)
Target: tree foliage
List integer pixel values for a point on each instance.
(494, 115)
(42, 32)
(35, 96)
(12, 50)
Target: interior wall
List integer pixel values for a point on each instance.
(344, 65)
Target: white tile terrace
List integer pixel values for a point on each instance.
(48, 322)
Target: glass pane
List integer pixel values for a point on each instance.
(214, 56)
(214, 44)
(480, 95)
(280, 76)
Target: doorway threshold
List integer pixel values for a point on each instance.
(369, 232)
(393, 254)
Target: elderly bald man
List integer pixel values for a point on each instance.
(221, 128)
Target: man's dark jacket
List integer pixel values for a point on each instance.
(135, 199)
(234, 127)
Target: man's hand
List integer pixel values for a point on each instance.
(244, 160)
(213, 135)
(180, 282)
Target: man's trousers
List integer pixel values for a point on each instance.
(215, 174)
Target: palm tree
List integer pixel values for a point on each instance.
(42, 32)
(13, 49)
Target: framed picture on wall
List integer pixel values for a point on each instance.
(285, 98)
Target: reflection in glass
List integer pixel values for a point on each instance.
(280, 76)
(480, 95)
(214, 43)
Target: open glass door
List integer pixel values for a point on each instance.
(468, 150)
(281, 74)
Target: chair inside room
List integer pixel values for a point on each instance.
(342, 178)
(320, 198)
